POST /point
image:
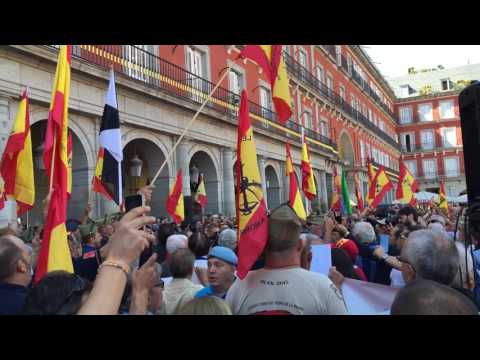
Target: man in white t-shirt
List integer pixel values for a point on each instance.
(283, 287)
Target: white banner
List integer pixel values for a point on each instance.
(365, 298)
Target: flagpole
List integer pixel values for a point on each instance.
(188, 126)
(307, 202)
(52, 163)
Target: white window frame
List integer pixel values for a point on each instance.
(421, 115)
(456, 171)
(338, 51)
(403, 141)
(307, 115)
(452, 109)
(324, 127)
(330, 84)
(427, 145)
(303, 52)
(403, 111)
(412, 166)
(430, 174)
(320, 73)
(443, 132)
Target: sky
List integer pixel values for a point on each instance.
(394, 60)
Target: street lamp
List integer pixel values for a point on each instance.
(136, 166)
(194, 173)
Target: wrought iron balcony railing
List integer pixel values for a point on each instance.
(143, 66)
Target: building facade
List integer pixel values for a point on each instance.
(429, 125)
(345, 106)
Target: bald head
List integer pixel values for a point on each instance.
(425, 297)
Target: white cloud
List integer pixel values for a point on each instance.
(394, 60)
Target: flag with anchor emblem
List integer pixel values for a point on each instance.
(251, 210)
(407, 186)
(381, 184)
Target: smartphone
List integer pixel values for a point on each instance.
(133, 201)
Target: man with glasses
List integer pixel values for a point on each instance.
(282, 287)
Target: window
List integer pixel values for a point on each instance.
(236, 81)
(266, 102)
(449, 137)
(425, 112)
(138, 60)
(446, 84)
(320, 73)
(429, 168)
(405, 114)
(307, 119)
(330, 85)
(427, 139)
(342, 92)
(412, 166)
(370, 116)
(446, 109)
(349, 63)
(338, 50)
(408, 142)
(362, 152)
(451, 166)
(196, 64)
(404, 90)
(324, 129)
(381, 125)
(302, 58)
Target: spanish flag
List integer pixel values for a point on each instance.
(108, 179)
(407, 186)
(336, 191)
(308, 182)
(70, 158)
(443, 198)
(54, 251)
(251, 210)
(17, 161)
(380, 186)
(294, 198)
(175, 205)
(371, 175)
(358, 192)
(269, 58)
(201, 194)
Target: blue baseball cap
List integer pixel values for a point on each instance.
(223, 253)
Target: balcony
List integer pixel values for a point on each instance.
(330, 50)
(140, 65)
(442, 175)
(361, 165)
(307, 78)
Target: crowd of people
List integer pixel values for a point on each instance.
(139, 264)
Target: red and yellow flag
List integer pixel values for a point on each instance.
(371, 175)
(97, 184)
(294, 197)
(407, 186)
(308, 182)
(54, 251)
(336, 191)
(201, 194)
(251, 210)
(269, 58)
(17, 161)
(443, 204)
(358, 192)
(380, 186)
(175, 205)
(70, 159)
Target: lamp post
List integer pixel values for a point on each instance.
(136, 169)
(38, 156)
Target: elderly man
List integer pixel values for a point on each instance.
(282, 287)
(429, 255)
(228, 238)
(174, 242)
(15, 274)
(425, 297)
(222, 262)
(181, 289)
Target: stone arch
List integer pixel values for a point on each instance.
(273, 186)
(205, 163)
(81, 177)
(152, 157)
(198, 147)
(346, 150)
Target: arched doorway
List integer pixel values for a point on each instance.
(205, 165)
(152, 158)
(80, 179)
(273, 187)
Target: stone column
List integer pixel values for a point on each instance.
(228, 182)
(5, 123)
(183, 163)
(261, 165)
(323, 185)
(284, 184)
